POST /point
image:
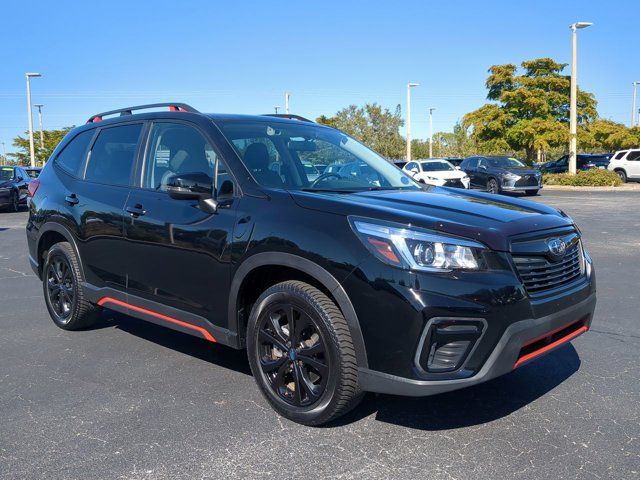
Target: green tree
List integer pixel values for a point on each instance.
(373, 125)
(531, 110)
(51, 140)
(605, 135)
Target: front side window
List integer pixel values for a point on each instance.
(274, 152)
(175, 149)
(505, 162)
(113, 155)
(71, 158)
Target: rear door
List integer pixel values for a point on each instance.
(178, 255)
(98, 203)
(632, 164)
(470, 167)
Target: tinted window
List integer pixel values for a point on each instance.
(411, 166)
(504, 162)
(113, 154)
(436, 166)
(72, 156)
(6, 173)
(619, 155)
(634, 155)
(469, 163)
(175, 148)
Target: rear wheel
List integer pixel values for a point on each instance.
(61, 278)
(493, 186)
(301, 354)
(623, 176)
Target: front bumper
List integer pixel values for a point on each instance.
(505, 356)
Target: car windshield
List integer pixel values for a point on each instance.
(6, 173)
(436, 166)
(505, 162)
(277, 154)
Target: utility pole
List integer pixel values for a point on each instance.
(633, 104)
(287, 95)
(573, 141)
(39, 107)
(32, 152)
(431, 132)
(409, 87)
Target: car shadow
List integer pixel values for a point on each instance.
(196, 347)
(470, 406)
(475, 405)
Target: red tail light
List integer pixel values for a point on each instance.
(33, 187)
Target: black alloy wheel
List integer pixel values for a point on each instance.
(60, 288)
(301, 353)
(293, 355)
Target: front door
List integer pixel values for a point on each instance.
(178, 255)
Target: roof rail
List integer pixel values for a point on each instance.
(174, 107)
(289, 116)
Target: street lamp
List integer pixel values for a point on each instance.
(573, 143)
(287, 95)
(39, 107)
(633, 104)
(32, 152)
(276, 108)
(4, 153)
(431, 132)
(409, 86)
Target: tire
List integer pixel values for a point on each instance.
(623, 175)
(493, 186)
(65, 300)
(320, 357)
(531, 193)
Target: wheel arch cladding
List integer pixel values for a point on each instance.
(50, 234)
(306, 270)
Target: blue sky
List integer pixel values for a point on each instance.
(241, 56)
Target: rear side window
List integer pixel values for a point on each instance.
(71, 158)
(619, 155)
(634, 155)
(113, 154)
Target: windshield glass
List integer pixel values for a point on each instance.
(277, 153)
(6, 173)
(505, 162)
(436, 166)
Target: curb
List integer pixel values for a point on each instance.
(622, 188)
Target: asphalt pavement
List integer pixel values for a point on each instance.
(131, 400)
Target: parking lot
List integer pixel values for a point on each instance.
(134, 400)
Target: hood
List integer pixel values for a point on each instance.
(518, 170)
(487, 218)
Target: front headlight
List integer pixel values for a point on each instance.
(417, 249)
(512, 176)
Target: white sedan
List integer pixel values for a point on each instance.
(437, 171)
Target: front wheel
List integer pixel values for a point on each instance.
(622, 175)
(301, 354)
(493, 186)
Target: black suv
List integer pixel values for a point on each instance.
(502, 174)
(14, 185)
(343, 284)
(584, 161)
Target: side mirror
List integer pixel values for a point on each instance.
(414, 170)
(193, 186)
(457, 167)
(482, 167)
(19, 179)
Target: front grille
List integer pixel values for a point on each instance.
(454, 182)
(527, 181)
(539, 274)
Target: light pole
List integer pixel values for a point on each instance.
(287, 95)
(4, 153)
(633, 104)
(573, 143)
(39, 107)
(431, 132)
(32, 152)
(276, 108)
(409, 87)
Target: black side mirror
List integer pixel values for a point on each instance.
(193, 186)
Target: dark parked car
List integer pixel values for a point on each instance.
(14, 183)
(208, 225)
(455, 161)
(502, 174)
(583, 162)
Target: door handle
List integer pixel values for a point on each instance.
(136, 210)
(71, 199)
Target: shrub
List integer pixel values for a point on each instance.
(594, 177)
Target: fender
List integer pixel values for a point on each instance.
(312, 269)
(66, 233)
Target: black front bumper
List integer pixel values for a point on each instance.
(502, 360)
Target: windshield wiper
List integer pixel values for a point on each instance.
(330, 190)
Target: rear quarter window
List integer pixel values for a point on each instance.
(113, 154)
(71, 158)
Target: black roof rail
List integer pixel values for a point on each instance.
(173, 106)
(289, 116)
